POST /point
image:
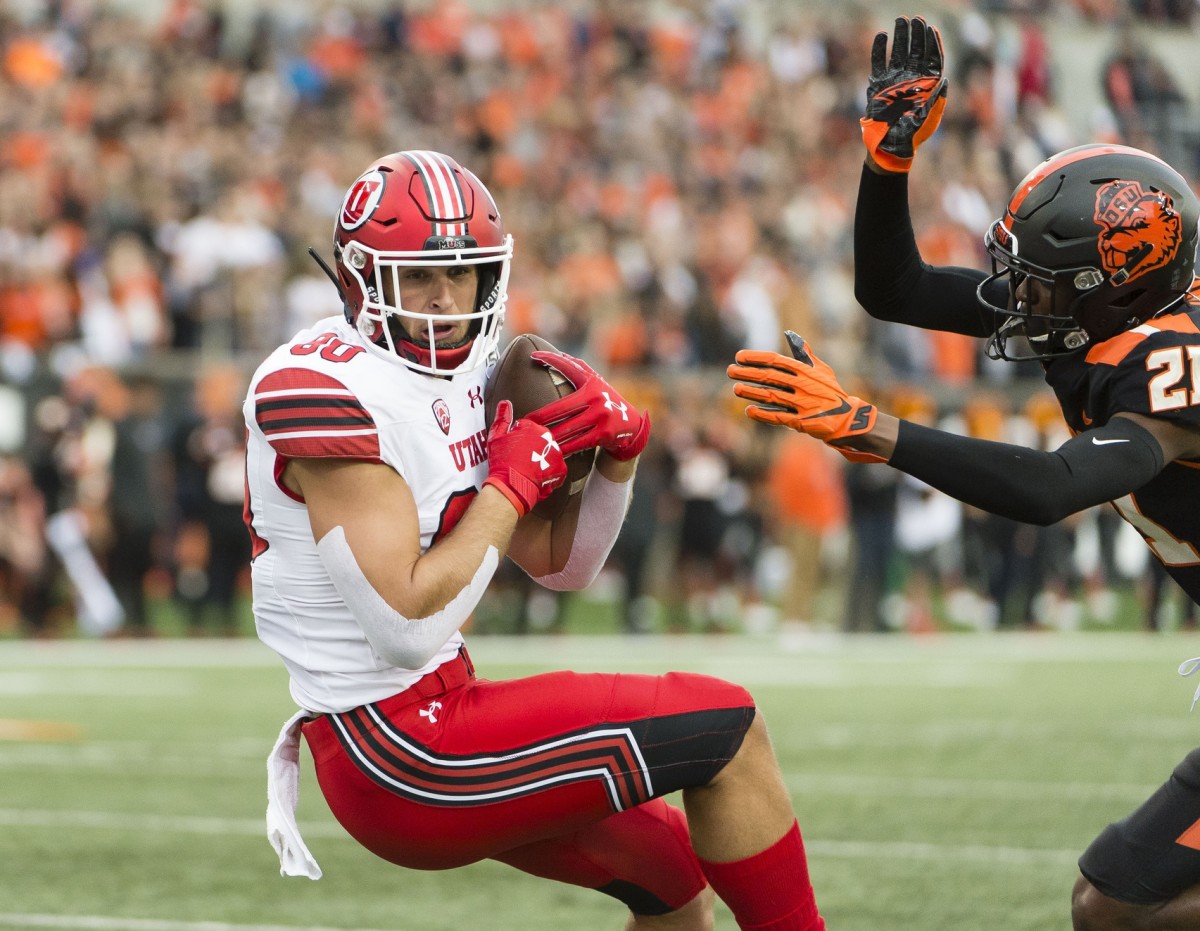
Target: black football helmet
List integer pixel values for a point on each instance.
(1095, 240)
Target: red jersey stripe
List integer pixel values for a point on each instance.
(306, 414)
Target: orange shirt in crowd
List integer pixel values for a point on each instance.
(805, 484)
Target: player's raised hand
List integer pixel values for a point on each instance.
(906, 94)
(525, 464)
(594, 414)
(802, 393)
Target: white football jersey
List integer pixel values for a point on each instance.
(323, 394)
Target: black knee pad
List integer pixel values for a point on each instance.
(1188, 771)
(1148, 857)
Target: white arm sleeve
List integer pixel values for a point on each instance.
(601, 514)
(403, 642)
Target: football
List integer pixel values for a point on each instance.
(529, 385)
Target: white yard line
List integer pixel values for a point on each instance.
(892, 787)
(112, 923)
(232, 758)
(974, 853)
(854, 850)
(96, 683)
(154, 824)
(786, 650)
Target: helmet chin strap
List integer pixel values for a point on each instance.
(420, 353)
(334, 278)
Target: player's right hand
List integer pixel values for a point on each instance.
(525, 464)
(592, 415)
(906, 94)
(802, 393)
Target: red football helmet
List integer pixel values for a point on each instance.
(420, 208)
(1109, 234)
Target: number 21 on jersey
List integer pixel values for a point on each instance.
(1177, 383)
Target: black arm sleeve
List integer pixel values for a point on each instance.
(890, 279)
(1026, 484)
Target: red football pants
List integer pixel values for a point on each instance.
(560, 775)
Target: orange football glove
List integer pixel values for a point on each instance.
(906, 94)
(802, 393)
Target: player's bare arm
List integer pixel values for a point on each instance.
(1177, 441)
(374, 507)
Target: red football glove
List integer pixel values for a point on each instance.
(802, 393)
(524, 462)
(906, 94)
(592, 415)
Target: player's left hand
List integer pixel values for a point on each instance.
(906, 94)
(524, 462)
(593, 415)
(802, 393)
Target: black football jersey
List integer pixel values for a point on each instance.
(1153, 369)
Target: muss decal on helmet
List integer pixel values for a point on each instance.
(1141, 230)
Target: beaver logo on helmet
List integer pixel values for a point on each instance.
(1108, 232)
(361, 200)
(1141, 230)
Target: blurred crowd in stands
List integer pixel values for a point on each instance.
(679, 178)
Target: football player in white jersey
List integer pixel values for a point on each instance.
(379, 502)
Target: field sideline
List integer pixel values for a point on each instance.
(945, 782)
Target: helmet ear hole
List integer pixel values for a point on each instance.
(489, 280)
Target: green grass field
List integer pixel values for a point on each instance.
(946, 782)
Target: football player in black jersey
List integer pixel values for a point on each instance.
(1093, 274)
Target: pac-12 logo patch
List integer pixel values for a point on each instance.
(441, 411)
(361, 200)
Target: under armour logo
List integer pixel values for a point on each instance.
(542, 458)
(475, 395)
(431, 711)
(612, 405)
